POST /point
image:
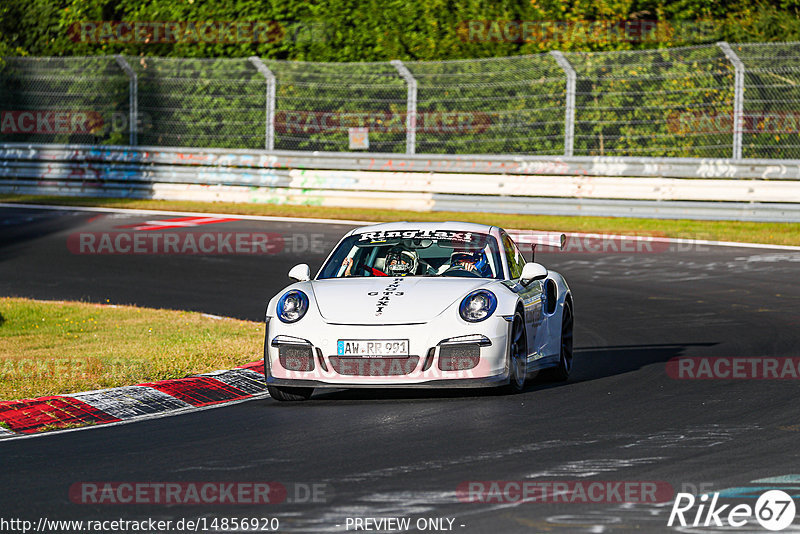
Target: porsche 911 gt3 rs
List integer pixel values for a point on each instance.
(409, 304)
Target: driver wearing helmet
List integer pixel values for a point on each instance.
(401, 262)
(471, 261)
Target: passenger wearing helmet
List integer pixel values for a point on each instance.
(471, 261)
(401, 261)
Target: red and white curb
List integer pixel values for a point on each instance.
(30, 416)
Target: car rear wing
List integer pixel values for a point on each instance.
(528, 238)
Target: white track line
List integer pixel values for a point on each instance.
(184, 213)
(365, 223)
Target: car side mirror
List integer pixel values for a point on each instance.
(300, 272)
(532, 271)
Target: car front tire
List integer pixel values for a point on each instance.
(517, 356)
(560, 373)
(290, 394)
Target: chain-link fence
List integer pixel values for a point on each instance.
(317, 103)
(771, 100)
(199, 102)
(64, 100)
(649, 103)
(721, 101)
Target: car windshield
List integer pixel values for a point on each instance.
(415, 253)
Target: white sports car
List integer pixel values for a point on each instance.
(420, 305)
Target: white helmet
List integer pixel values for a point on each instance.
(400, 261)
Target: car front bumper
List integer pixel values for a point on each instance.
(444, 355)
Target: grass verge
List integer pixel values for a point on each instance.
(749, 232)
(52, 348)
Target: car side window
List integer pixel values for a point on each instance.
(516, 261)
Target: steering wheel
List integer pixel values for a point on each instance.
(461, 272)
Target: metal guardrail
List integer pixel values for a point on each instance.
(721, 189)
(764, 169)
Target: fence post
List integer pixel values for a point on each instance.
(738, 97)
(269, 133)
(133, 99)
(569, 115)
(411, 106)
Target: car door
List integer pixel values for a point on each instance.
(531, 295)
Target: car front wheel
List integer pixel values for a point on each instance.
(560, 373)
(286, 393)
(517, 356)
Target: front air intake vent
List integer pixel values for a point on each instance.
(296, 357)
(459, 357)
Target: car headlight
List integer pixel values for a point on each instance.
(292, 306)
(478, 305)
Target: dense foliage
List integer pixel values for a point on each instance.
(378, 30)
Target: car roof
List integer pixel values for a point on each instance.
(411, 225)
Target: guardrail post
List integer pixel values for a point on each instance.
(269, 133)
(133, 98)
(738, 97)
(411, 106)
(569, 115)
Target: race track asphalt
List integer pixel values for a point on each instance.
(620, 417)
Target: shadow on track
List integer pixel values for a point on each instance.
(592, 363)
(20, 227)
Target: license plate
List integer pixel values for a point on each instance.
(372, 348)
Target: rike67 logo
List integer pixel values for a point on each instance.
(774, 510)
